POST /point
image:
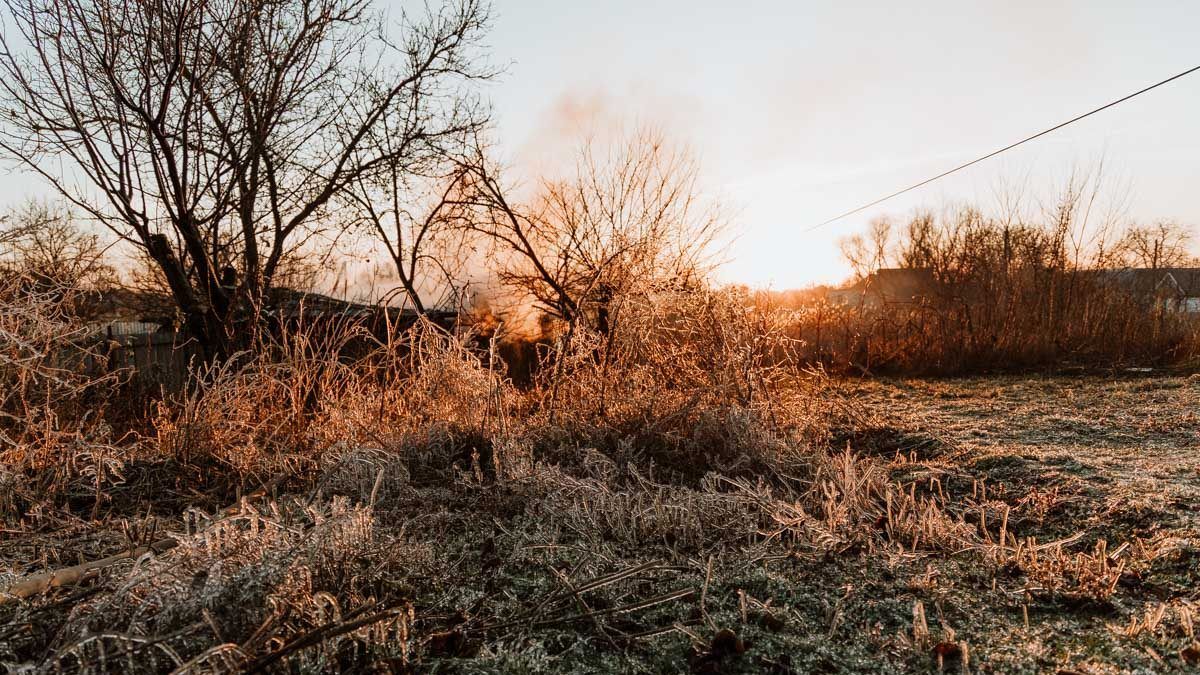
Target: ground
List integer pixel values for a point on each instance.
(1101, 459)
(1116, 459)
(1013, 524)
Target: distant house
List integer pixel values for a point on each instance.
(887, 287)
(160, 353)
(1174, 289)
(292, 308)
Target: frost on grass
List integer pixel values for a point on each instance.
(671, 498)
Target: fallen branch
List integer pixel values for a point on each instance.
(73, 576)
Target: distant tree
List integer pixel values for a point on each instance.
(415, 214)
(1163, 244)
(868, 254)
(215, 135)
(919, 242)
(43, 242)
(630, 219)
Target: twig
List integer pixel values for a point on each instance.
(583, 607)
(598, 582)
(318, 635)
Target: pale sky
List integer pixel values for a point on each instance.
(802, 110)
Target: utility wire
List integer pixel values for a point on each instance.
(1006, 148)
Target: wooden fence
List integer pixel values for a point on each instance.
(155, 359)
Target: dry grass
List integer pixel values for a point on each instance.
(679, 497)
(1043, 293)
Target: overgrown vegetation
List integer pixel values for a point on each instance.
(660, 477)
(1010, 293)
(680, 499)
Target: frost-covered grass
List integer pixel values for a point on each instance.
(683, 500)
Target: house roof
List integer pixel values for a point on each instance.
(902, 284)
(889, 285)
(1182, 281)
(289, 304)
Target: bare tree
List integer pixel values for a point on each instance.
(422, 236)
(1163, 244)
(216, 134)
(414, 212)
(868, 254)
(44, 243)
(629, 220)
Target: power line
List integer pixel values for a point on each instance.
(1006, 148)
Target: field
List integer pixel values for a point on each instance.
(308, 364)
(986, 525)
(1113, 460)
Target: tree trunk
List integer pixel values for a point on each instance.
(201, 319)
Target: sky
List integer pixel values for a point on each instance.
(803, 110)
(799, 111)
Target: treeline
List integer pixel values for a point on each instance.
(1008, 294)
